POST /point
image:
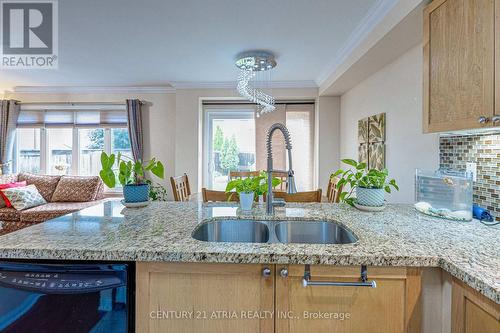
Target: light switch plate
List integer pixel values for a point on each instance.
(472, 168)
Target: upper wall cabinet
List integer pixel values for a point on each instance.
(460, 66)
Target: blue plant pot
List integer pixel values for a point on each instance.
(136, 193)
(373, 197)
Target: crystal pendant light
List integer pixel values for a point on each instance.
(251, 65)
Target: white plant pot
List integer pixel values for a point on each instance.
(246, 201)
(373, 197)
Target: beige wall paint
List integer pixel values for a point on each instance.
(172, 131)
(158, 120)
(328, 138)
(396, 90)
(188, 154)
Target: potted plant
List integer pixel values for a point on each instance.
(261, 190)
(370, 185)
(248, 188)
(131, 175)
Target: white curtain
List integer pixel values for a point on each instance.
(262, 125)
(300, 124)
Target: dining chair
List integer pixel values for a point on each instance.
(214, 196)
(242, 174)
(333, 191)
(181, 188)
(281, 175)
(309, 196)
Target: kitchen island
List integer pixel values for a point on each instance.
(399, 237)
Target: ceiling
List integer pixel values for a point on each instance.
(159, 42)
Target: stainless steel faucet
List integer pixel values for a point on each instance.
(270, 203)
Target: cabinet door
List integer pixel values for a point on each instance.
(472, 312)
(390, 307)
(177, 297)
(459, 69)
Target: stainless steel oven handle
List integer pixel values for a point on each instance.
(306, 281)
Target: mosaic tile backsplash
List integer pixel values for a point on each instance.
(456, 151)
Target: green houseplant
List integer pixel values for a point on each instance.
(248, 188)
(131, 175)
(370, 185)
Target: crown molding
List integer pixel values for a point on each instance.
(92, 90)
(232, 84)
(374, 16)
(152, 89)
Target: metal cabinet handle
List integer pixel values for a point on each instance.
(284, 273)
(306, 281)
(495, 119)
(483, 120)
(266, 272)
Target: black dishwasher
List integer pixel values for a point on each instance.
(76, 298)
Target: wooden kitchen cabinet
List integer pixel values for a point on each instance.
(472, 312)
(461, 65)
(210, 297)
(393, 306)
(240, 298)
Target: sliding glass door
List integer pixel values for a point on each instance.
(234, 140)
(229, 144)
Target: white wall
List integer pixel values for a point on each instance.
(396, 90)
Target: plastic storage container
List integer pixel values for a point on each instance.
(444, 193)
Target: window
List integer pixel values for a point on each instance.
(91, 142)
(230, 145)
(67, 151)
(120, 142)
(60, 150)
(28, 150)
(68, 138)
(236, 140)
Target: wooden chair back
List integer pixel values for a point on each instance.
(213, 196)
(242, 174)
(333, 191)
(281, 175)
(309, 196)
(181, 188)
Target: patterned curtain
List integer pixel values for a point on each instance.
(9, 112)
(134, 118)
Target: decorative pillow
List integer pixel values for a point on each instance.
(4, 202)
(46, 185)
(76, 189)
(24, 197)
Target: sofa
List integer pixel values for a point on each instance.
(64, 195)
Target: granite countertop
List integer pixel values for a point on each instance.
(398, 236)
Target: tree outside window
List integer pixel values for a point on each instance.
(218, 139)
(229, 159)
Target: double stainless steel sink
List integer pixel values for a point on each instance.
(254, 231)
